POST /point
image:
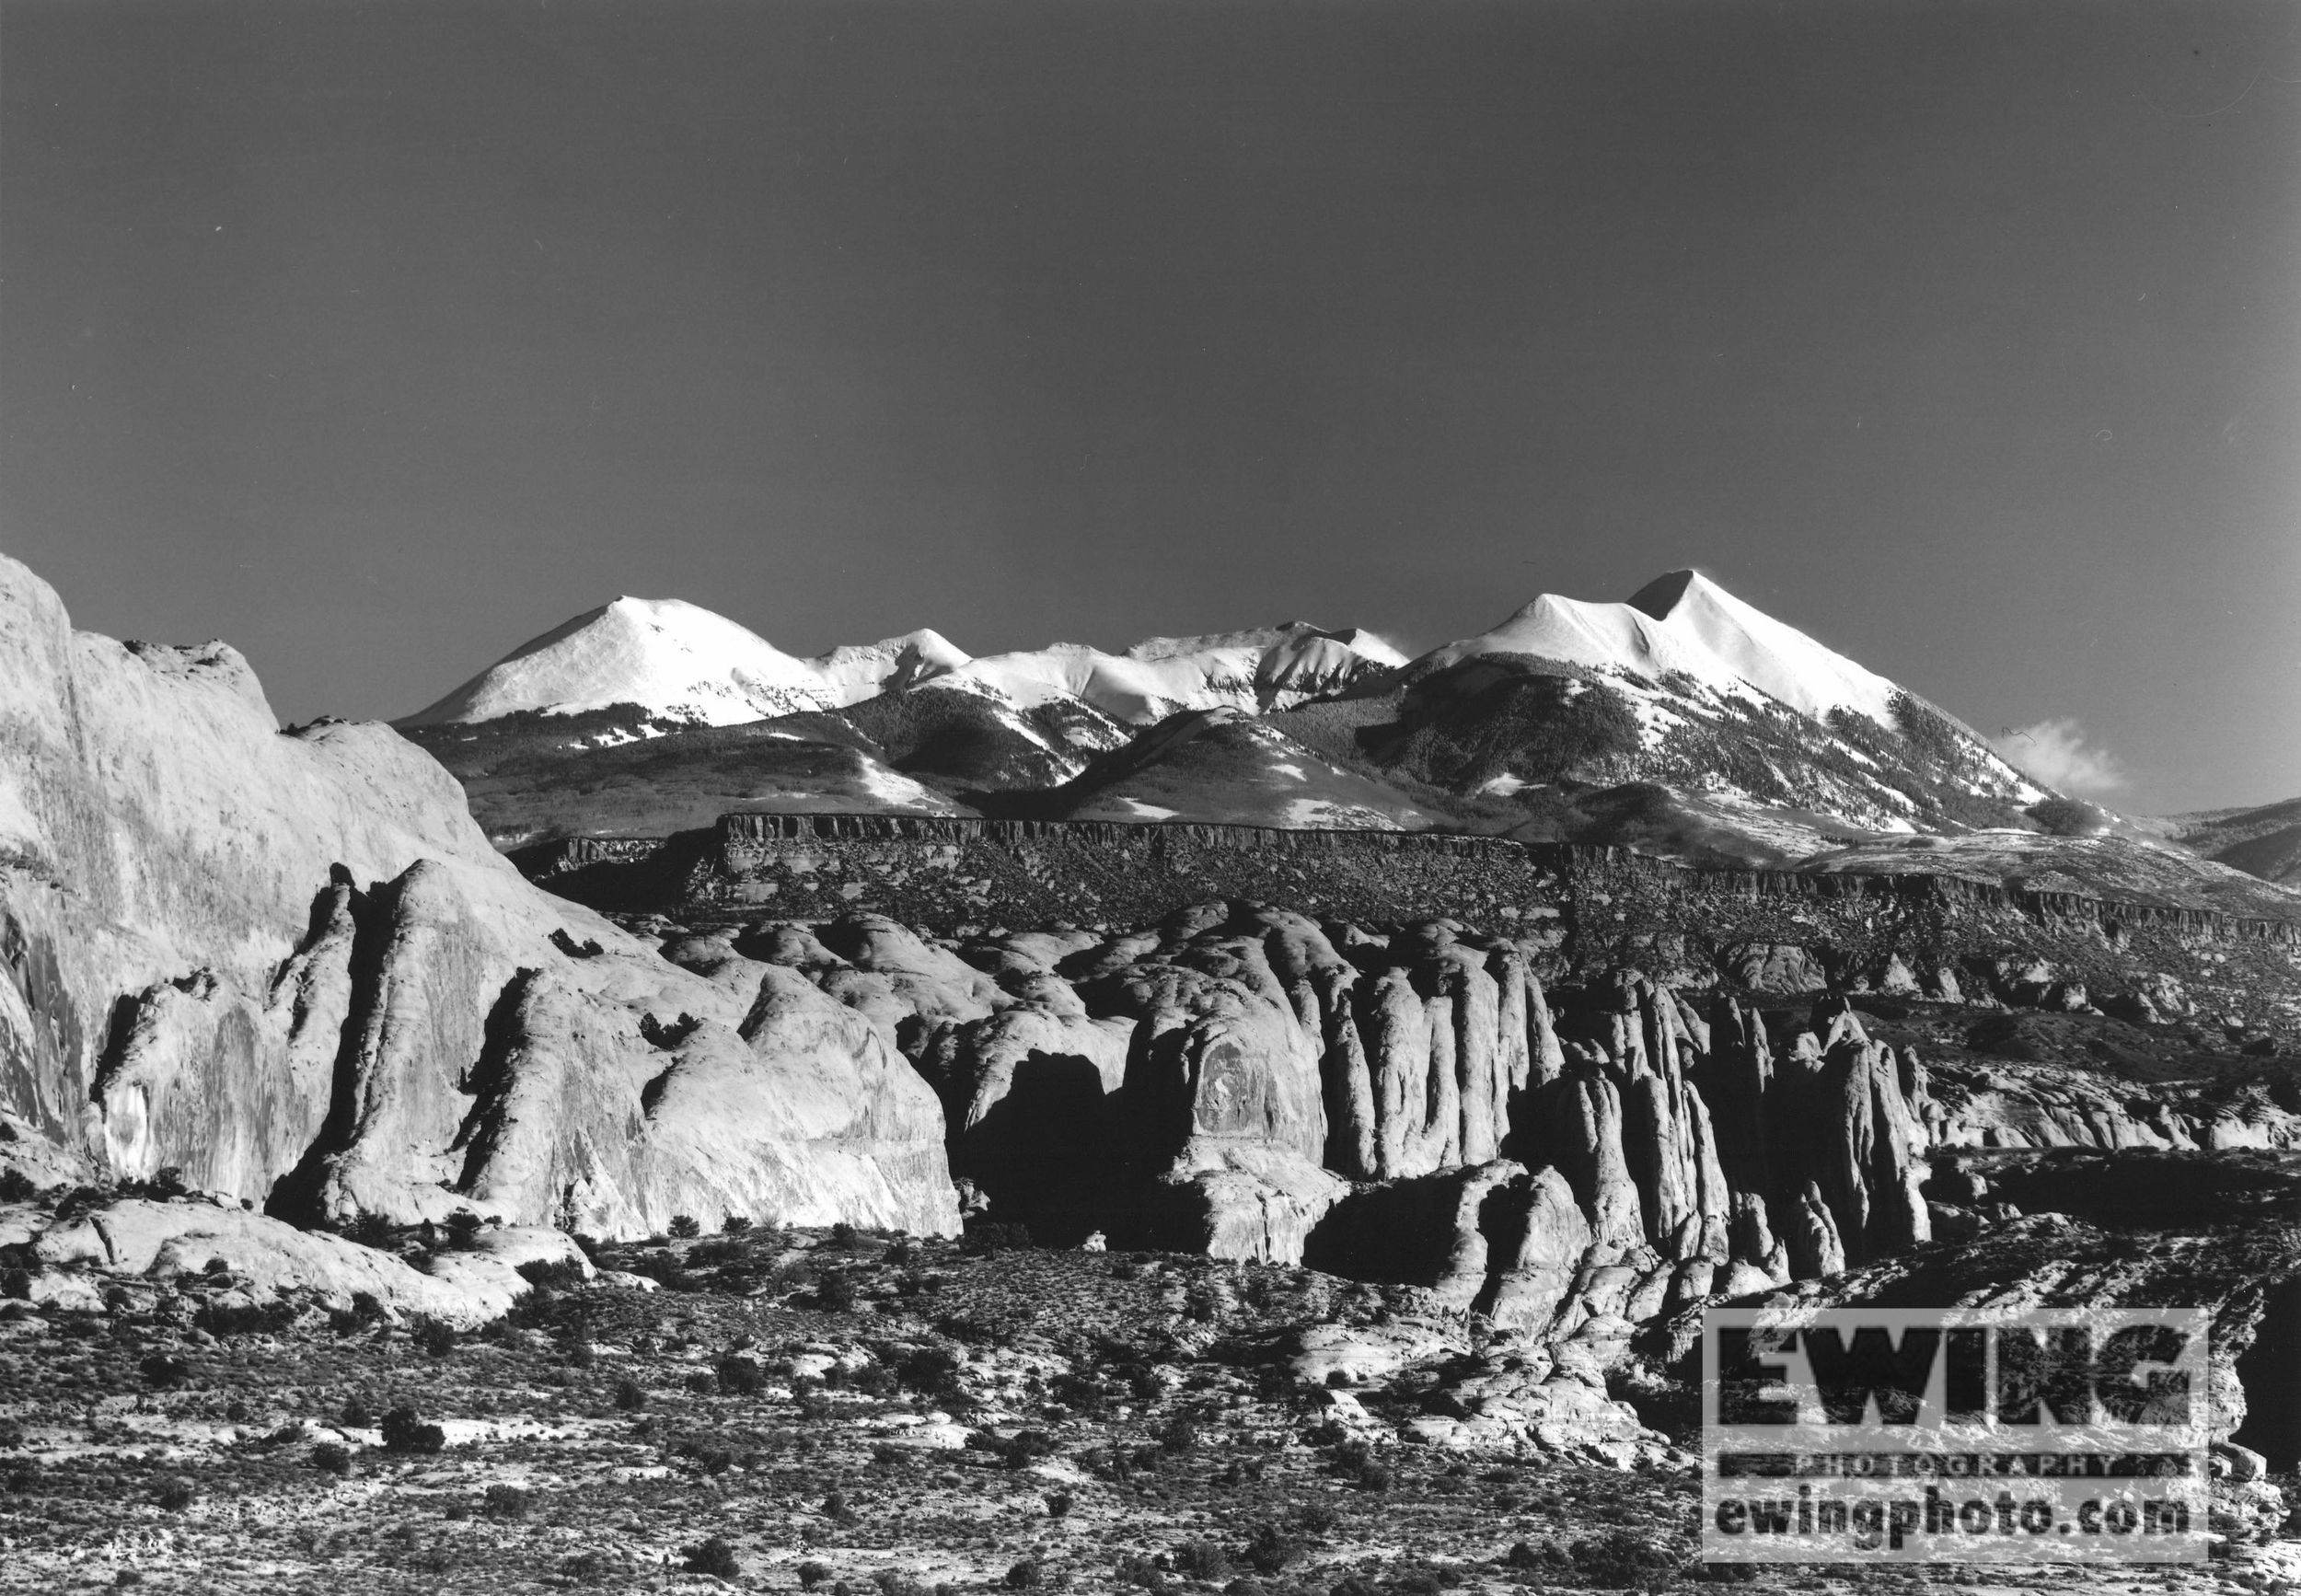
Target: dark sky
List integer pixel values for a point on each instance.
(378, 338)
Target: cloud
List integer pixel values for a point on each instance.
(2054, 752)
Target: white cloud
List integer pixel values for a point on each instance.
(2055, 753)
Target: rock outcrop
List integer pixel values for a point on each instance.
(287, 964)
(241, 1259)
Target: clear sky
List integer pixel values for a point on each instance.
(378, 338)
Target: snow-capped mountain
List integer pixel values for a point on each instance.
(680, 663)
(670, 658)
(1684, 623)
(1684, 720)
(1252, 671)
(1713, 698)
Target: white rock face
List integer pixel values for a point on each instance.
(289, 963)
(157, 1241)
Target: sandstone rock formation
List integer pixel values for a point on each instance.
(287, 964)
(1413, 1106)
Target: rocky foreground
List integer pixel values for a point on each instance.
(777, 1410)
(321, 1127)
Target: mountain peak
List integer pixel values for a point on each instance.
(672, 658)
(1659, 596)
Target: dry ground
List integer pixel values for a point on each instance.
(831, 1410)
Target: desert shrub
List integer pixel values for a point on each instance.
(685, 1227)
(1355, 1585)
(629, 1396)
(812, 1574)
(15, 1187)
(463, 1229)
(929, 1371)
(552, 1273)
(844, 1237)
(331, 1457)
(1026, 1575)
(164, 1371)
(1269, 1548)
(405, 1431)
(436, 1337)
(370, 1230)
(593, 1567)
(1178, 1435)
(1201, 1560)
(1621, 1560)
(741, 1376)
(835, 1292)
(1079, 1392)
(355, 1414)
(174, 1493)
(874, 1380)
(899, 1253)
(1025, 1448)
(713, 1556)
(1060, 1503)
(985, 1238)
(15, 1285)
(506, 1502)
(837, 1509)
(734, 1224)
(223, 1319)
(894, 1582)
(1374, 1477)
(703, 1382)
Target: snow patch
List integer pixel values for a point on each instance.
(1321, 815)
(892, 787)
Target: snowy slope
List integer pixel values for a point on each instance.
(1275, 667)
(1685, 622)
(1779, 660)
(674, 659)
(681, 663)
(853, 673)
(1735, 704)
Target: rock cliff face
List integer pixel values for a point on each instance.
(288, 963)
(1566, 1162)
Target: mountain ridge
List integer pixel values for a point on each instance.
(1682, 721)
